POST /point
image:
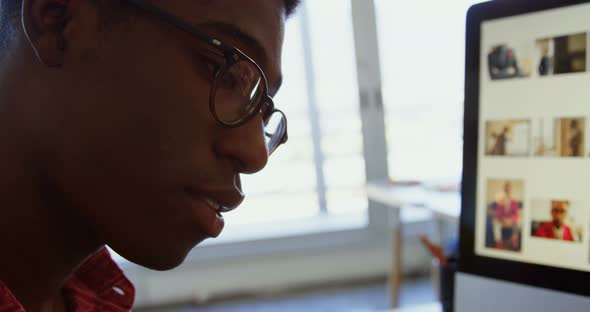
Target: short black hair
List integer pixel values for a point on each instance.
(290, 6)
(10, 10)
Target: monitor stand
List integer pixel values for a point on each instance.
(478, 294)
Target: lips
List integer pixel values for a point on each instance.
(207, 218)
(214, 205)
(209, 204)
(219, 199)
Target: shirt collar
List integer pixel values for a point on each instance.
(98, 284)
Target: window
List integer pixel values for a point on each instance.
(422, 57)
(286, 188)
(321, 170)
(334, 60)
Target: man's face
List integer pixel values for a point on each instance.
(134, 145)
(558, 213)
(508, 189)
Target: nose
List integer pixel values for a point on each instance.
(245, 145)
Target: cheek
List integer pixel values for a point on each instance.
(132, 128)
(165, 100)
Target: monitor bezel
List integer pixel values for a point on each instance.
(559, 279)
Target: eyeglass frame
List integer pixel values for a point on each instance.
(232, 56)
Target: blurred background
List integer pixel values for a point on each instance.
(373, 93)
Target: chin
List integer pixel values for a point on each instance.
(159, 262)
(164, 258)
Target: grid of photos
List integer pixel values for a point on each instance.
(540, 137)
(533, 205)
(550, 56)
(551, 219)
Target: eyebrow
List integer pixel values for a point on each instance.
(260, 55)
(234, 32)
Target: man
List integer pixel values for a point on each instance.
(546, 63)
(501, 139)
(507, 221)
(556, 228)
(127, 123)
(502, 63)
(574, 139)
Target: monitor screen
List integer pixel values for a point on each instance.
(532, 196)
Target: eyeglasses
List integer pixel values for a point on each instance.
(239, 90)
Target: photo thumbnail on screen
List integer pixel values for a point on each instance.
(561, 55)
(570, 133)
(507, 61)
(543, 137)
(563, 137)
(557, 220)
(507, 138)
(505, 200)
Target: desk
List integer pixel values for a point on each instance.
(435, 307)
(445, 207)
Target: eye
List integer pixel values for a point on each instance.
(211, 65)
(206, 62)
(229, 81)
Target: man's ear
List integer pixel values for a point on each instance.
(43, 23)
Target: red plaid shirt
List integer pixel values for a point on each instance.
(97, 285)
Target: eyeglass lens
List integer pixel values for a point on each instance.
(275, 127)
(238, 91)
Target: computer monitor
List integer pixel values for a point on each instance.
(525, 223)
